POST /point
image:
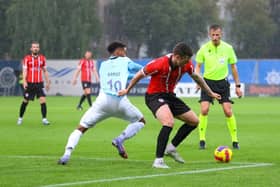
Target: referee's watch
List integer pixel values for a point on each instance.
(238, 86)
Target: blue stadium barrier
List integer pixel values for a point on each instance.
(9, 73)
(251, 71)
(260, 74)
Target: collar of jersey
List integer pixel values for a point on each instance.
(170, 63)
(213, 46)
(113, 57)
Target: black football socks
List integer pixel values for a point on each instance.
(22, 109)
(44, 110)
(162, 140)
(182, 133)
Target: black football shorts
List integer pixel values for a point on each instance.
(86, 84)
(221, 87)
(176, 105)
(34, 89)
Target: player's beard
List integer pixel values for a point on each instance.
(35, 53)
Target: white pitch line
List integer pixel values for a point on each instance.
(159, 175)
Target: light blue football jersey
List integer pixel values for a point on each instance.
(115, 73)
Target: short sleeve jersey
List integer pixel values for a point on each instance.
(216, 59)
(33, 65)
(86, 66)
(164, 77)
(115, 72)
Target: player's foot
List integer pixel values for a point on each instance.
(159, 163)
(118, 144)
(63, 160)
(175, 155)
(45, 121)
(19, 121)
(202, 144)
(79, 107)
(235, 145)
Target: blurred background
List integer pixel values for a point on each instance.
(150, 28)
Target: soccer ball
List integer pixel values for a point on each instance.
(223, 154)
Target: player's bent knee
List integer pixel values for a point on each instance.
(42, 100)
(82, 129)
(205, 111)
(228, 113)
(87, 91)
(142, 120)
(194, 122)
(168, 123)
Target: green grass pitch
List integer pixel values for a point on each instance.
(29, 153)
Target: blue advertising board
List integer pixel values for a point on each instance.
(9, 72)
(258, 75)
(251, 71)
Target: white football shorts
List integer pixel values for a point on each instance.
(110, 106)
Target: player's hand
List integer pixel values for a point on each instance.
(25, 85)
(215, 95)
(122, 92)
(97, 80)
(48, 86)
(197, 88)
(74, 82)
(238, 92)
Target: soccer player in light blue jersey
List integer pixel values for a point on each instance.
(114, 75)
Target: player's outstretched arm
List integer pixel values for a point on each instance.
(138, 76)
(200, 81)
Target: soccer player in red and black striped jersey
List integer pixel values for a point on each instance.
(165, 73)
(86, 67)
(34, 66)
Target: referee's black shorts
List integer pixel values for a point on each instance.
(34, 89)
(176, 105)
(86, 84)
(221, 87)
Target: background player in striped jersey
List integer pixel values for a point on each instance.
(34, 66)
(165, 73)
(86, 67)
(114, 74)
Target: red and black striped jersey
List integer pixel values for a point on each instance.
(87, 67)
(34, 66)
(164, 77)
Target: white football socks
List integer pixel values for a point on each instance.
(72, 141)
(170, 147)
(131, 130)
